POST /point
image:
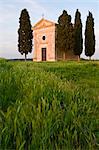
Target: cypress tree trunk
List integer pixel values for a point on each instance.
(89, 57)
(25, 56)
(78, 58)
(64, 56)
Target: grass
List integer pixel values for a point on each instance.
(48, 106)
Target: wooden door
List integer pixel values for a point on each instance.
(43, 54)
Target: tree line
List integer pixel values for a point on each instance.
(69, 35)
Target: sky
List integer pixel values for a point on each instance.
(10, 12)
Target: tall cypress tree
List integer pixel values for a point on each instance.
(70, 38)
(89, 36)
(25, 33)
(64, 32)
(78, 40)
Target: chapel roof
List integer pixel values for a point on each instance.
(43, 23)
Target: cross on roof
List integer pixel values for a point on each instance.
(42, 15)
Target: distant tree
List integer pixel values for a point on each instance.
(25, 33)
(78, 40)
(89, 36)
(64, 32)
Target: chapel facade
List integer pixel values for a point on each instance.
(44, 36)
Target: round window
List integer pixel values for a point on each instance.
(43, 37)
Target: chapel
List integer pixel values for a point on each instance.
(44, 43)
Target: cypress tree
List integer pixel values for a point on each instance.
(78, 40)
(70, 38)
(89, 36)
(64, 33)
(24, 33)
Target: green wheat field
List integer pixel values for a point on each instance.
(49, 105)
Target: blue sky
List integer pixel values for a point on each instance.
(10, 13)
